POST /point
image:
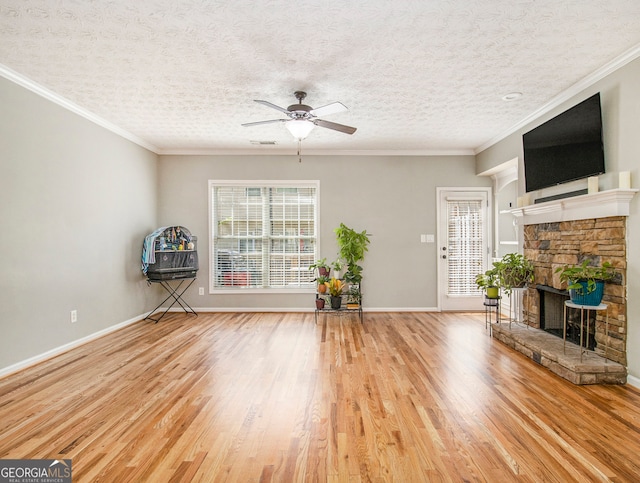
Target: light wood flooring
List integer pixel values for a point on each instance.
(274, 397)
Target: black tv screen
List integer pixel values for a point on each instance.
(565, 148)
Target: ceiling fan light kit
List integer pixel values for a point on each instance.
(303, 118)
(299, 128)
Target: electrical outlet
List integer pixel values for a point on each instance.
(74, 316)
(201, 291)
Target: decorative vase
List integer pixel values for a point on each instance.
(336, 302)
(493, 292)
(580, 296)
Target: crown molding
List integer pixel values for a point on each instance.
(42, 91)
(620, 61)
(262, 151)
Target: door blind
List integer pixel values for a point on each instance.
(466, 246)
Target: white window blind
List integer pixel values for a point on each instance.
(263, 234)
(466, 245)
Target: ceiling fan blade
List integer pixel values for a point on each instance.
(332, 108)
(273, 106)
(335, 126)
(247, 124)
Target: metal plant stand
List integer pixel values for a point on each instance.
(175, 292)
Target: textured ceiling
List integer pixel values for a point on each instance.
(417, 76)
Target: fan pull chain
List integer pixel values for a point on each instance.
(299, 150)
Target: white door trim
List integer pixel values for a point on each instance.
(461, 193)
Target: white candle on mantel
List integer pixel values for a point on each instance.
(625, 180)
(592, 184)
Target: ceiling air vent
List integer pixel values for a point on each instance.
(264, 143)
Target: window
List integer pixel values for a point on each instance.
(263, 234)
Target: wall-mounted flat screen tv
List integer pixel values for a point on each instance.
(565, 148)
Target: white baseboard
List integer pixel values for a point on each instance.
(633, 381)
(66, 347)
(302, 309)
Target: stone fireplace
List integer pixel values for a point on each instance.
(566, 232)
(552, 245)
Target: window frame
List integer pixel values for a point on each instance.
(277, 184)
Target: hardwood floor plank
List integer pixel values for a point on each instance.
(276, 397)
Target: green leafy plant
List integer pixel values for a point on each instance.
(337, 266)
(321, 279)
(322, 266)
(352, 247)
(488, 279)
(354, 295)
(514, 271)
(572, 275)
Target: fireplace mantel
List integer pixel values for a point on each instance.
(603, 204)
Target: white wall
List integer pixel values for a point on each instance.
(393, 198)
(506, 232)
(75, 202)
(620, 96)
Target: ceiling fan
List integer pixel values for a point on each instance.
(302, 118)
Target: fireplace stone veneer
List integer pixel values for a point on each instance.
(552, 245)
(567, 231)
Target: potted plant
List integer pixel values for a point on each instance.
(337, 267)
(586, 282)
(354, 297)
(322, 266)
(319, 302)
(322, 280)
(488, 281)
(514, 271)
(336, 286)
(352, 247)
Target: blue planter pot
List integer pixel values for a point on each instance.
(581, 297)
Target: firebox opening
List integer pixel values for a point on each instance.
(552, 317)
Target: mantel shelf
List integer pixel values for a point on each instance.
(603, 204)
